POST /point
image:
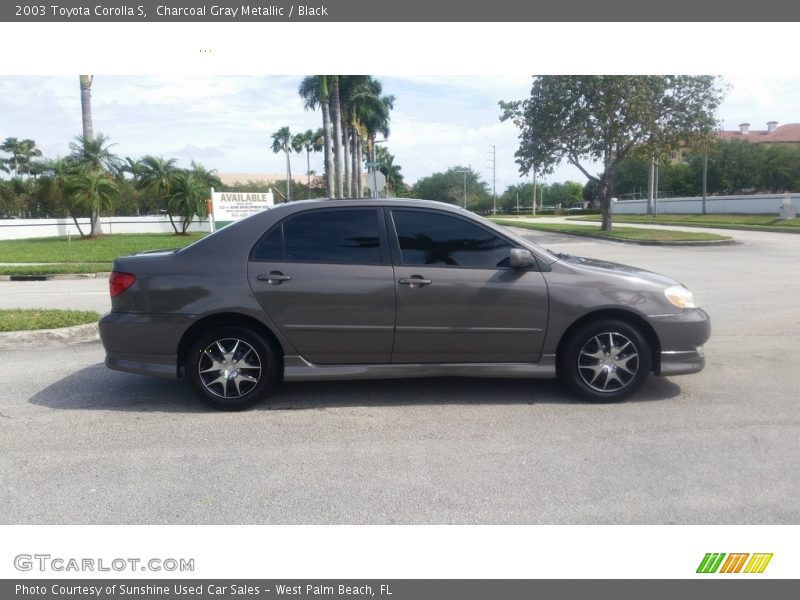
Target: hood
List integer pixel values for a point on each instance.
(597, 265)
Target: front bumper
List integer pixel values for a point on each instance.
(681, 362)
(681, 337)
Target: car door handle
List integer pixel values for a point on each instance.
(415, 281)
(273, 277)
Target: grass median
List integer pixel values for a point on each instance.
(745, 222)
(619, 233)
(76, 255)
(28, 319)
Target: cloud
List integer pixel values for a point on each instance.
(226, 121)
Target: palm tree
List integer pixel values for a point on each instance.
(310, 141)
(207, 177)
(56, 175)
(282, 142)
(315, 91)
(94, 154)
(360, 92)
(188, 195)
(22, 154)
(155, 178)
(92, 190)
(133, 166)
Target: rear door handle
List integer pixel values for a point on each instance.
(273, 277)
(415, 281)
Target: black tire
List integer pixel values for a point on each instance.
(605, 361)
(232, 368)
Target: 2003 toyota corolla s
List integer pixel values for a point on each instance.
(369, 289)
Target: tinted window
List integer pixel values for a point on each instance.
(428, 238)
(333, 236)
(270, 247)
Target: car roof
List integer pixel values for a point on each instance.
(372, 202)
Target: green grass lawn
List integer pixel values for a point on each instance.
(757, 222)
(82, 256)
(619, 233)
(18, 319)
(101, 250)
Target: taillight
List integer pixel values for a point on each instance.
(119, 282)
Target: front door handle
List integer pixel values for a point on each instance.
(273, 277)
(415, 281)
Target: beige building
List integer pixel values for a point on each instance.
(267, 179)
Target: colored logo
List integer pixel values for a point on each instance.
(719, 562)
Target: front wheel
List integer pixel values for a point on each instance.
(605, 361)
(231, 368)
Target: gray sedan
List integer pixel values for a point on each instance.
(368, 289)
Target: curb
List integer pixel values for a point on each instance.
(77, 334)
(64, 276)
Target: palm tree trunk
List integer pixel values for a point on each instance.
(97, 229)
(88, 135)
(288, 176)
(359, 170)
(354, 165)
(326, 129)
(86, 106)
(336, 118)
(74, 218)
(308, 172)
(348, 184)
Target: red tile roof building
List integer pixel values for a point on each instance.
(773, 134)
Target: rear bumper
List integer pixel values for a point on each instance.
(156, 366)
(143, 343)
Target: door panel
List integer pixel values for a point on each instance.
(325, 278)
(470, 315)
(332, 314)
(457, 299)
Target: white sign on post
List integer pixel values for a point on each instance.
(227, 207)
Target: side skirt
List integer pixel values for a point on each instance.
(296, 368)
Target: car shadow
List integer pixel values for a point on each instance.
(98, 388)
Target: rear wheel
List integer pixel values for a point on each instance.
(605, 361)
(231, 368)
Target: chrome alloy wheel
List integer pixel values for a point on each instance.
(608, 362)
(229, 368)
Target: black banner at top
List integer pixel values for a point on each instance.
(399, 11)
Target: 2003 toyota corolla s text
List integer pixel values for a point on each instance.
(369, 289)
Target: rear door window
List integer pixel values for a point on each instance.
(324, 236)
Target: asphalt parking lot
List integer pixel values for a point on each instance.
(80, 444)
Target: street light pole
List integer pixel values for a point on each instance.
(464, 171)
(705, 174)
(494, 179)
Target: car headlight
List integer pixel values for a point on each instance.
(679, 296)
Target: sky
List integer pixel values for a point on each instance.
(225, 122)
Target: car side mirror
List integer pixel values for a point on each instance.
(520, 258)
